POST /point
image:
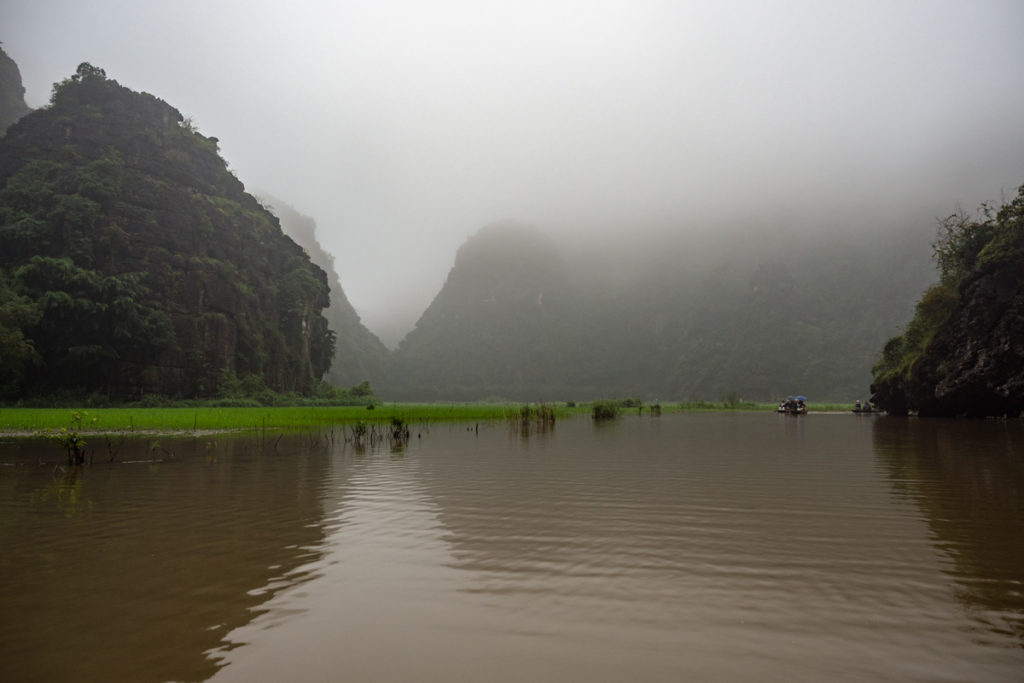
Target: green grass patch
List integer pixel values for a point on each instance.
(247, 418)
(212, 418)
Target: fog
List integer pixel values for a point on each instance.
(404, 127)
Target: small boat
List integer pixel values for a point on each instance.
(864, 409)
(793, 405)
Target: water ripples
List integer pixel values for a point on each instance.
(707, 547)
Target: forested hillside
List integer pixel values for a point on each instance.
(963, 351)
(132, 262)
(358, 354)
(758, 318)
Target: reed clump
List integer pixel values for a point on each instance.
(605, 410)
(71, 440)
(362, 434)
(540, 418)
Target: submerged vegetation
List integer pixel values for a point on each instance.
(534, 418)
(71, 440)
(605, 410)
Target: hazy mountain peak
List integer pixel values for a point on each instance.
(12, 92)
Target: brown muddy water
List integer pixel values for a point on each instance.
(703, 547)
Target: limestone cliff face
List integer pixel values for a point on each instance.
(358, 354)
(974, 365)
(138, 261)
(12, 92)
(963, 353)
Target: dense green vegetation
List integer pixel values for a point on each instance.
(962, 351)
(235, 418)
(963, 245)
(132, 262)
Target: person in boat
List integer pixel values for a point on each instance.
(857, 405)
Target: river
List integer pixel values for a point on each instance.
(719, 546)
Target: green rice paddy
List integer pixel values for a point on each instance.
(168, 420)
(234, 419)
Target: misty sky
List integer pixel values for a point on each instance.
(404, 127)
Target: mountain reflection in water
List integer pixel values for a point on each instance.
(133, 571)
(967, 478)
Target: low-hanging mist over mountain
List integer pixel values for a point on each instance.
(133, 262)
(519, 318)
(12, 92)
(403, 127)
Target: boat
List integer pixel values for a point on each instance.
(793, 405)
(865, 409)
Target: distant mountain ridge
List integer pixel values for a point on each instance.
(498, 327)
(519, 319)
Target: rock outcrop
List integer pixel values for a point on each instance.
(974, 365)
(12, 93)
(358, 354)
(971, 362)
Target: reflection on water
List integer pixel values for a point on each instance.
(131, 571)
(706, 547)
(967, 478)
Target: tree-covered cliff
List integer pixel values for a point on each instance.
(963, 351)
(358, 354)
(133, 262)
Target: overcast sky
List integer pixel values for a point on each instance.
(402, 127)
